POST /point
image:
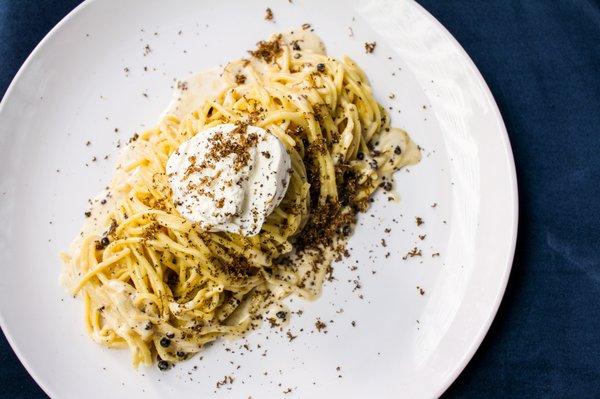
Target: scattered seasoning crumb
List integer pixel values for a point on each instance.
(88, 143)
(163, 365)
(353, 323)
(269, 14)
(306, 26)
(320, 325)
(289, 390)
(147, 50)
(291, 336)
(383, 243)
(240, 78)
(350, 32)
(435, 254)
(272, 322)
(268, 50)
(412, 253)
(281, 314)
(434, 205)
(422, 237)
(421, 290)
(419, 221)
(182, 85)
(370, 47)
(226, 380)
(392, 96)
(87, 214)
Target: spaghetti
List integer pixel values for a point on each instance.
(156, 283)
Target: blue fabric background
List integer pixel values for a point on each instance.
(541, 59)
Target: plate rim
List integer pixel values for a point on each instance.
(7, 94)
(511, 174)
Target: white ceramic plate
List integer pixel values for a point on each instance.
(73, 88)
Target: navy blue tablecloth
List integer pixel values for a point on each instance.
(541, 59)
